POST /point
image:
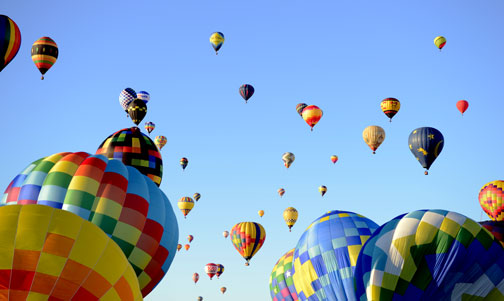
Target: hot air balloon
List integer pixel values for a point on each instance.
(190, 238)
(144, 96)
(440, 42)
(491, 199)
(44, 54)
(126, 97)
(312, 114)
(196, 196)
(288, 158)
(248, 238)
(246, 91)
(220, 270)
(322, 189)
(328, 249)
(10, 40)
(160, 141)
(373, 136)
(261, 213)
(150, 126)
(179, 246)
(183, 163)
(462, 106)
(185, 205)
(281, 192)
(300, 107)
(217, 39)
(137, 110)
(223, 289)
(290, 216)
(225, 234)
(430, 255)
(52, 254)
(186, 247)
(280, 281)
(211, 270)
(136, 149)
(390, 106)
(426, 144)
(496, 228)
(200, 298)
(334, 159)
(195, 277)
(124, 203)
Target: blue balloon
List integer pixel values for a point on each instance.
(426, 144)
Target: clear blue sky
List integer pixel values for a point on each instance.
(344, 56)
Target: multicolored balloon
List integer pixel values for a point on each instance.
(160, 141)
(246, 91)
(281, 283)
(430, 255)
(290, 216)
(134, 148)
(261, 213)
(225, 234)
(491, 199)
(51, 254)
(137, 110)
(124, 203)
(44, 54)
(311, 115)
(217, 40)
(196, 196)
(300, 107)
(248, 238)
(190, 238)
(143, 95)
(195, 277)
(220, 270)
(288, 158)
(281, 192)
(183, 163)
(440, 42)
(10, 40)
(126, 97)
(426, 144)
(211, 269)
(390, 106)
(328, 249)
(187, 246)
(150, 126)
(185, 205)
(322, 189)
(496, 228)
(462, 106)
(334, 159)
(374, 136)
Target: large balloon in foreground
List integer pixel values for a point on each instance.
(126, 97)
(248, 238)
(120, 200)
(300, 107)
(462, 106)
(374, 136)
(10, 40)
(217, 39)
(290, 216)
(246, 91)
(311, 115)
(150, 126)
(44, 54)
(440, 42)
(288, 158)
(160, 142)
(491, 199)
(426, 144)
(185, 205)
(430, 255)
(137, 109)
(390, 106)
(328, 249)
(52, 254)
(280, 281)
(334, 159)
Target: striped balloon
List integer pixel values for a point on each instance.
(281, 283)
(217, 39)
(150, 126)
(246, 91)
(185, 204)
(196, 196)
(211, 269)
(281, 192)
(44, 54)
(10, 40)
(248, 238)
(143, 95)
(300, 107)
(390, 106)
(120, 200)
(183, 163)
(311, 115)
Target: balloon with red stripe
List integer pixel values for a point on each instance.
(10, 40)
(246, 91)
(248, 238)
(311, 115)
(44, 54)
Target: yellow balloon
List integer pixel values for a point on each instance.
(185, 205)
(261, 213)
(290, 216)
(373, 136)
(440, 41)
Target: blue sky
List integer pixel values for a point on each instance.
(343, 56)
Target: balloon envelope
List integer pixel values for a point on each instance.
(426, 144)
(462, 106)
(334, 159)
(183, 163)
(217, 39)
(150, 126)
(185, 205)
(144, 96)
(288, 158)
(246, 91)
(491, 199)
(10, 40)
(390, 106)
(300, 107)
(126, 97)
(211, 269)
(281, 192)
(137, 109)
(248, 238)
(322, 189)
(44, 54)
(160, 141)
(374, 136)
(281, 282)
(311, 115)
(440, 42)
(290, 216)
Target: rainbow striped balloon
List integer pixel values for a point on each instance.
(248, 238)
(44, 54)
(10, 40)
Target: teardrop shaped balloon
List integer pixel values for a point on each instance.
(183, 163)
(281, 192)
(334, 159)
(311, 115)
(220, 270)
(200, 298)
(223, 289)
(225, 234)
(44, 54)
(491, 199)
(10, 40)
(322, 189)
(390, 106)
(149, 126)
(462, 106)
(185, 205)
(217, 40)
(190, 238)
(426, 144)
(187, 246)
(160, 141)
(374, 136)
(248, 238)
(126, 97)
(137, 110)
(440, 42)
(246, 91)
(211, 269)
(288, 158)
(290, 216)
(179, 246)
(196, 196)
(144, 96)
(300, 107)
(195, 277)
(261, 213)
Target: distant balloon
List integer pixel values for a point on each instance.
(183, 163)
(390, 106)
(220, 270)
(261, 213)
(225, 234)
(312, 114)
(300, 107)
(223, 289)
(200, 298)
(246, 91)
(126, 97)
(491, 199)
(10, 40)
(196, 196)
(149, 126)
(185, 205)
(440, 42)
(217, 39)
(190, 238)
(281, 282)
(137, 110)
(281, 192)
(186, 247)
(373, 136)
(288, 158)
(195, 277)
(143, 95)
(426, 144)
(248, 238)
(179, 246)
(160, 141)
(44, 54)
(290, 216)
(211, 269)
(462, 106)
(334, 159)
(322, 189)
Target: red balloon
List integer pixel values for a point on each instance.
(462, 106)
